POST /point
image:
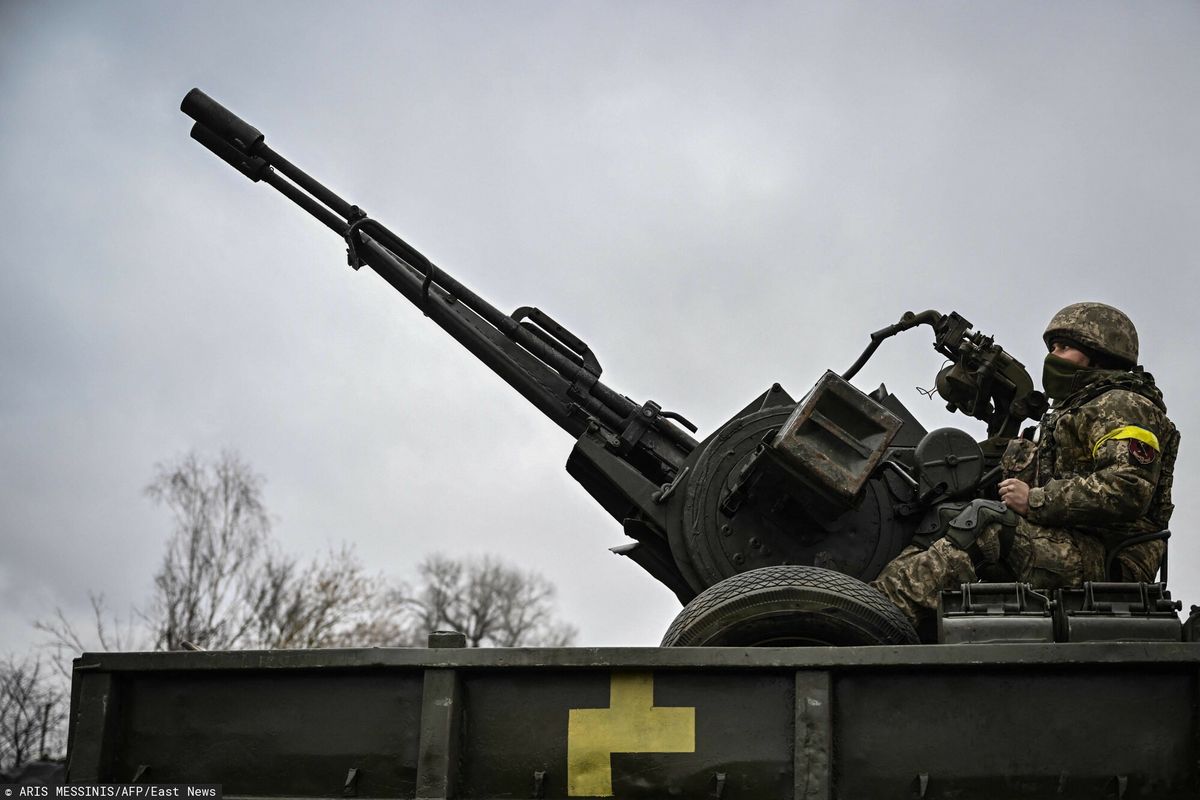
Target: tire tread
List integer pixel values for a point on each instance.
(844, 592)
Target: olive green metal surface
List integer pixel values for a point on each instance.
(968, 721)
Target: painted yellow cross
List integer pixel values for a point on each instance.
(631, 724)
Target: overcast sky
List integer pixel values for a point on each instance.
(714, 196)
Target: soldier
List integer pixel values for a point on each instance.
(1099, 472)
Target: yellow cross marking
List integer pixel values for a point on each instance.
(631, 724)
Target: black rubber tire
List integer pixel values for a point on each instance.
(789, 606)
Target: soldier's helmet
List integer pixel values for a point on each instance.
(1097, 327)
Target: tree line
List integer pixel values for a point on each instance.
(224, 583)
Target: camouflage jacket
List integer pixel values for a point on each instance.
(1103, 464)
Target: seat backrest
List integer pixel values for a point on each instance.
(1112, 567)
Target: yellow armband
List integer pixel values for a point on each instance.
(1128, 432)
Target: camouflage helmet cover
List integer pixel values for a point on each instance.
(1098, 327)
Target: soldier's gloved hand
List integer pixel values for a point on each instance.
(1014, 493)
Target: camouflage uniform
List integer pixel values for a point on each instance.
(1100, 471)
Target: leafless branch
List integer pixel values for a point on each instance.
(32, 712)
(488, 601)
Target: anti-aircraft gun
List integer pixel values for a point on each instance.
(768, 526)
(826, 489)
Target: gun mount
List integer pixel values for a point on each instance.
(837, 480)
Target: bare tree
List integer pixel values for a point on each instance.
(331, 602)
(214, 554)
(488, 601)
(107, 632)
(223, 584)
(32, 713)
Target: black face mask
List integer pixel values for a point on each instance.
(1060, 377)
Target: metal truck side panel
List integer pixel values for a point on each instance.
(1034, 732)
(938, 721)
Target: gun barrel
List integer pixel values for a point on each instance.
(221, 121)
(546, 364)
(252, 167)
(491, 336)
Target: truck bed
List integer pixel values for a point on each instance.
(935, 721)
